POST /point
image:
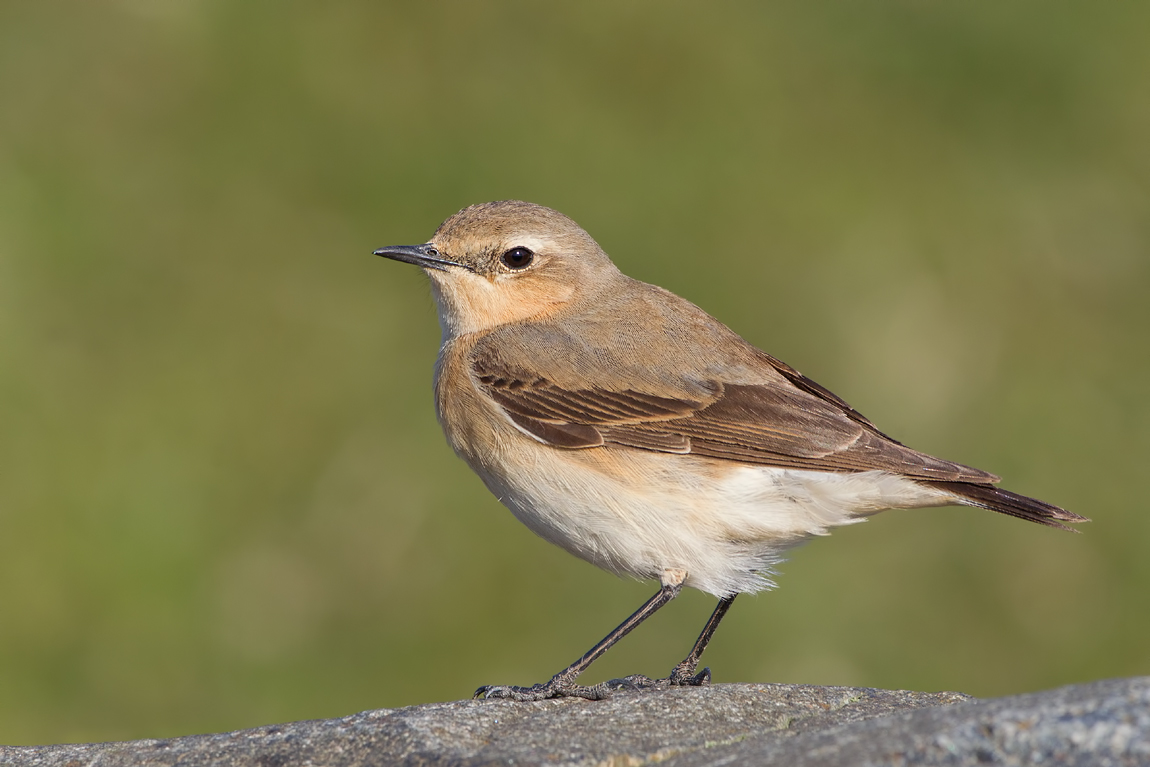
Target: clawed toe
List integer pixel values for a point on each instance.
(634, 682)
(510, 692)
(552, 689)
(685, 676)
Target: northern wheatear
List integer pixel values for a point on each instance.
(634, 430)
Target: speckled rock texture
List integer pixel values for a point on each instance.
(1098, 724)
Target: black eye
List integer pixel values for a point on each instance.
(518, 258)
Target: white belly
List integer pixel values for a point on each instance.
(640, 513)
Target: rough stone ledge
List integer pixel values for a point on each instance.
(1098, 724)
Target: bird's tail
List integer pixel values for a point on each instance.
(1012, 504)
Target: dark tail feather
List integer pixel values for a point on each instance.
(1013, 504)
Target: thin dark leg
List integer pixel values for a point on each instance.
(563, 684)
(684, 673)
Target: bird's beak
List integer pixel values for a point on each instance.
(421, 255)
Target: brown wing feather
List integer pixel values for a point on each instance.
(794, 423)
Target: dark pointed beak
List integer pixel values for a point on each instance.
(420, 255)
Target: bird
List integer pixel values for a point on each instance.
(639, 433)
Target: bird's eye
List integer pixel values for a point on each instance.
(518, 258)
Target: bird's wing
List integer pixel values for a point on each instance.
(785, 421)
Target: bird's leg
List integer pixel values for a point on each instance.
(684, 673)
(562, 685)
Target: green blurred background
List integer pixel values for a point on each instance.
(224, 498)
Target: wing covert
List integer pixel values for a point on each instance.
(779, 423)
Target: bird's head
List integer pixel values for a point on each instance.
(510, 261)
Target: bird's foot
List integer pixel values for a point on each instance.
(558, 687)
(566, 688)
(684, 675)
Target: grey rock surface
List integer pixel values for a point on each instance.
(1102, 723)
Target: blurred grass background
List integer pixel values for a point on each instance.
(224, 499)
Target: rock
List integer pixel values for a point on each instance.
(1103, 723)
